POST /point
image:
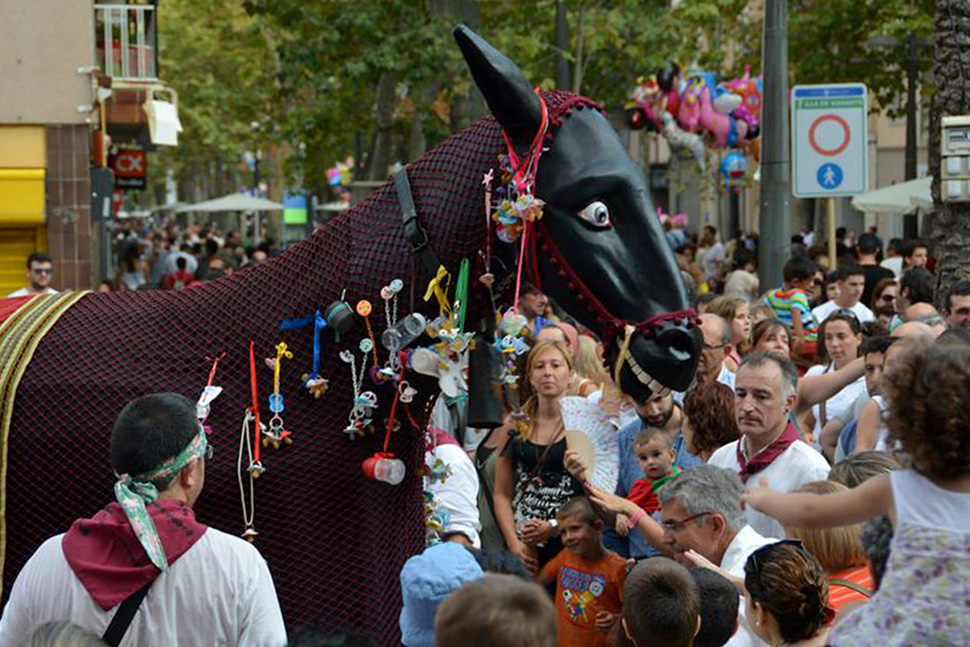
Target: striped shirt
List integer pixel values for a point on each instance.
(840, 595)
(784, 301)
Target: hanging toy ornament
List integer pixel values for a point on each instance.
(340, 318)
(389, 295)
(382, 466)
(249, 439)
(209, 393)
(313, 381)
(364, 402)
(488, 278)
(276, 433)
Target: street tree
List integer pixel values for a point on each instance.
(950, 222)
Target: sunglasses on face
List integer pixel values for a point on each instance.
(43, 271)
(888, 298)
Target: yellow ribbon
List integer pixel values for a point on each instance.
(624, 349)
(281, 352)
(439, 287)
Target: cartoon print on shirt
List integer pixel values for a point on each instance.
(579, 590)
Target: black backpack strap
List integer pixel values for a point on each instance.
(416, 236)
(122, 620)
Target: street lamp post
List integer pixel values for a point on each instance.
(774, 219)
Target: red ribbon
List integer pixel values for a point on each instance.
(253, 390)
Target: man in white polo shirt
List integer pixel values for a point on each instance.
(770, 445)
(701, 512)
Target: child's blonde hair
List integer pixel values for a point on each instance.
(588, 362)
(835, 548)
(497, 611)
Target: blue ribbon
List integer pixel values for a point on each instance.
(319, 323)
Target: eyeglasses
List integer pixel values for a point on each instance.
(42, 271)
(676, 525)
(709, 347)
(888, 298)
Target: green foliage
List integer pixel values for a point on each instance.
(219, 61)
(311, 71)
(830, 42)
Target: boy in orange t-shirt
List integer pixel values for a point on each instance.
(589, 579)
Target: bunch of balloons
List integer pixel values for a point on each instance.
(694, 111)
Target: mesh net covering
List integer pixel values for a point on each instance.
(335, 541)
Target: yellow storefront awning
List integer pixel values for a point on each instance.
(21, 197)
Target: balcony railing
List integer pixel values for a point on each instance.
(126, 44)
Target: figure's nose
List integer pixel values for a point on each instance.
(678, 341)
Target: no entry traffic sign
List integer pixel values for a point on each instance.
(829, 140)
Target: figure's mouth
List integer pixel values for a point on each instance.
(645, 378)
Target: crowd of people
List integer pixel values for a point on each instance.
(811, 487)
(773, 502)
(161, 254)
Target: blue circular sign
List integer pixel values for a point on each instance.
(829, 176)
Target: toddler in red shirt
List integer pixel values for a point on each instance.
(655, 456)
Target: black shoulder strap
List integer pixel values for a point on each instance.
(126, 613)
(416, 236)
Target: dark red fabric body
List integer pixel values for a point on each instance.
(334, 540)
(108, 559)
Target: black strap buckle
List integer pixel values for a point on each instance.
(417, 237)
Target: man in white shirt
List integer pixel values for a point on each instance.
(770, 446)
(39, 273)
(185, 583)
(701, 512)
(852, 282)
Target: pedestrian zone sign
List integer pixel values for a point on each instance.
(830, 128)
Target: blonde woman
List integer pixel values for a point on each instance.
(839, 551)
(531, 481)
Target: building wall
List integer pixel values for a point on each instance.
(69, 206)
(43, 45)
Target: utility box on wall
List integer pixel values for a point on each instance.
(955, 162)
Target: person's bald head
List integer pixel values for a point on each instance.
(919, 312)
(717, 336)
(914, 329)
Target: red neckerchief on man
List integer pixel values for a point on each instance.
(107, 558)
(766, 456)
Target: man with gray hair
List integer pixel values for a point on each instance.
(701, 512)
(770, 446)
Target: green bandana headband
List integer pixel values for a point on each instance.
(134, 492)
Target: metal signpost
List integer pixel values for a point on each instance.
(830, 128)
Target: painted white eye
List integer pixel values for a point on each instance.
(597, 214)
